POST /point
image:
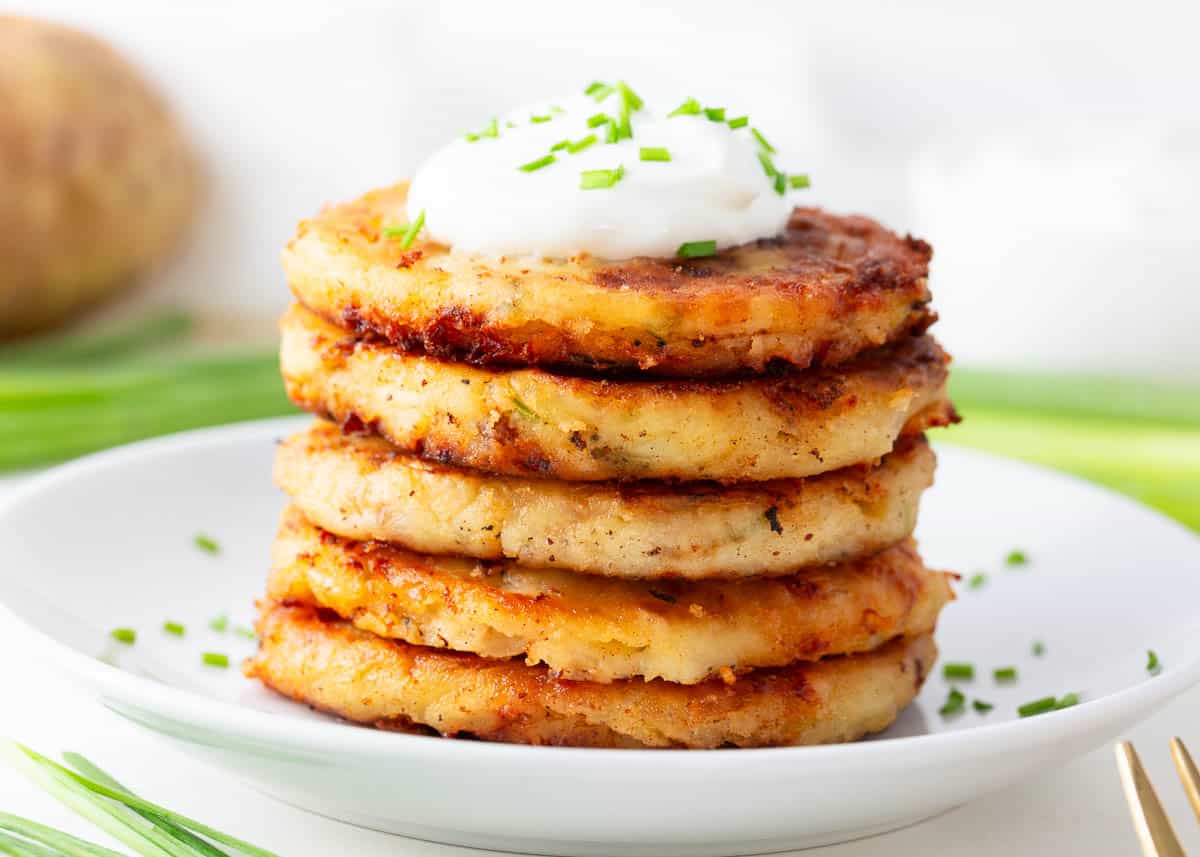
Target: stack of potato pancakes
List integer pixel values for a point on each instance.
(639, 503)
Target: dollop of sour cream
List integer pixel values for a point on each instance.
(715, 187)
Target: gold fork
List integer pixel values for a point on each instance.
(1149, 818)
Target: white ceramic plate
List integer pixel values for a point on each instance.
(108, 541)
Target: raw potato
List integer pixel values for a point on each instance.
(335, 667)
(360, 488)
(589, 629)
(96, 179)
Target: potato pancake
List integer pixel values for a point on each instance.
(360, 488)
(825, 290)
(592, 629)
(530, 422)
(330, 665)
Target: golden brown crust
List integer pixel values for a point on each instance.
(829, 288)
(534, 423)
(359, 487)
(97, 179)
(332, 666)
(591, 629)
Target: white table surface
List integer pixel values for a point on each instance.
(1076, 810)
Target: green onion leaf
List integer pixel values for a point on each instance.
(1005, 674)
(690, 107)
(799, 181)
(1152, 665)
(1038, 648)
(600, 179)
(598, 119)
(561, 144)
(654, 153)
(1015, 558)
(981, 706)
(537, 120)
(611, 134)
(599, 91)
(58, 842)
(716, 114)
(1037, 706)
(128, 636)
(762, 141)
(579, 145)
(977, 580)
(739, 122)
(767, 165)
(958, 671)
(780, 184)
(206, 544)
(696, 249)
(955, 702)
(1066, 701)
(215, 659)
(471, 137)
(174, 628)
(532, 166)
(629, 96)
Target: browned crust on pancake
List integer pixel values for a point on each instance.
(330, 665)
(830, 287)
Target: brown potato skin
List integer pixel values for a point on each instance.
(98, 180)
(830, 287)
(316, 659)
(528, 422)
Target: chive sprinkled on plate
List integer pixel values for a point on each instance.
(767, 164)
(561, 144)
(981, 706)
(407, 232)
(128, 636)
(219, 623)
(600, 179)
(176, 629)
(598, 119)
(534, 166)
(977, 580)
(762, 141)
(206, 543)
(599, 90)
(690, 107)
(715, 114)
(654, 153)
(215, 659)
(1066, 701)
(1016, 557)
(958, 671)
(955, 702)
(739, 122)
(537, 120)
(799, 181)
(696, 249)
(1038, 648)
(1152, 664)
(1005, 674)
(611, 135)
(581, 144)
(1037, 706)
(245, 633)
(780, 184)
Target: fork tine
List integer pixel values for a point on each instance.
(1187, 772)
(1149, 818)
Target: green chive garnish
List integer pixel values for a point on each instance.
(799, 181)
(600, 179)
(128, 636)
(691, 107)
(1039, 648)
(716, 114)
(599, 90)
(977, 580)
(762, 141)
(1005, 674)
(219, 623)
(215, 659)
(1066, 701)
(537, 120)
(406, 233)
(597, 119)
(654, 153)
(611, 134)
(174, 628)
(958, 671)
(767, 165)
(635, 103)
(532, 166)
(206, 543)
(579, 145)
(1152, 665)
(492, 129)
(696, 249)
(1038, 706)
(1016, 558)
(471, 137)
(981, 706)
(561, 144)
(524, 409)
(954, 703)
(246, 633)
(780, 184)
(739, 122)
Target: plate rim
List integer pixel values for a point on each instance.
(264, 728)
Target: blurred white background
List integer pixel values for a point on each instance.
(1049, 151)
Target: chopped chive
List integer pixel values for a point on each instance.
(561, 144)
(611, 134)
(739, 122)
(716, 114)
(1016, 558)
(174, 628)
(977, 580)
(799, 181)
(955, 702)
(1005, 674)
(414, 229)
(780, 184)
(510, 124)
(690, 107)
(537, 120)
(654, 153)
(981, 706)
(246, 633)
(554, 108)
(579, 145)
(471, 136)
(219, 623)
(532, 166)
(624, 127)
(206, 543)
(696, 249)
(597, 119)
(1038, 648)
(762, 141)
(635, 103)
(1152, 665)
(128, 636)
(1066, 701)
(1037, 706)
(524, 409)
(600, 91)
(395, 231)
(767, 165)
(215, 659)
(492, 129)
(958, 671)
(600, 179)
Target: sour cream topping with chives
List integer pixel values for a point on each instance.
(603, 173)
